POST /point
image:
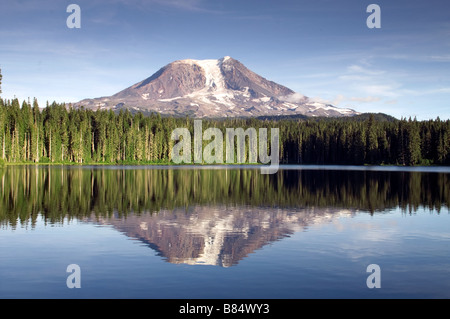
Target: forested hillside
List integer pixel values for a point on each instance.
(59, 134)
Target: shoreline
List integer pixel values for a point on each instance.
(343, 167)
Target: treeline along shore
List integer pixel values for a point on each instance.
(60, 193)
(59, 133)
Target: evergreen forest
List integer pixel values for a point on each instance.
(59, 133)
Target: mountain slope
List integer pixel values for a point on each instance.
(212, 88)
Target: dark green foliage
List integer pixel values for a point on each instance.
(60, 134)
(57, 193)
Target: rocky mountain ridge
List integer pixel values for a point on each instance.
(212, 88)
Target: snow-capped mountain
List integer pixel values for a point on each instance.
(212, 88)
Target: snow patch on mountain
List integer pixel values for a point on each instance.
(211, 68)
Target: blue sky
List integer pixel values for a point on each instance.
(320, 48)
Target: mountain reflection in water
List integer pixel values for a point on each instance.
(217, 235)
(209, 216)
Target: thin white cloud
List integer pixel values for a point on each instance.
(440, 58)
(318, 99)
(367, 99)
(385, 90)
(442, 90)
(184, 5)
(338, 99)
(369, 84)
(354, 77)
(293, 98)
(359, 69)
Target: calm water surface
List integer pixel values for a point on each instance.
(216, 232)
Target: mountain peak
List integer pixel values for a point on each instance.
(211, 70)
(212, 88)
(225, 58)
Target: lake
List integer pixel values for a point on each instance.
(224, 232)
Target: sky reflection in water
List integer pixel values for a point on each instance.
(140, 233)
